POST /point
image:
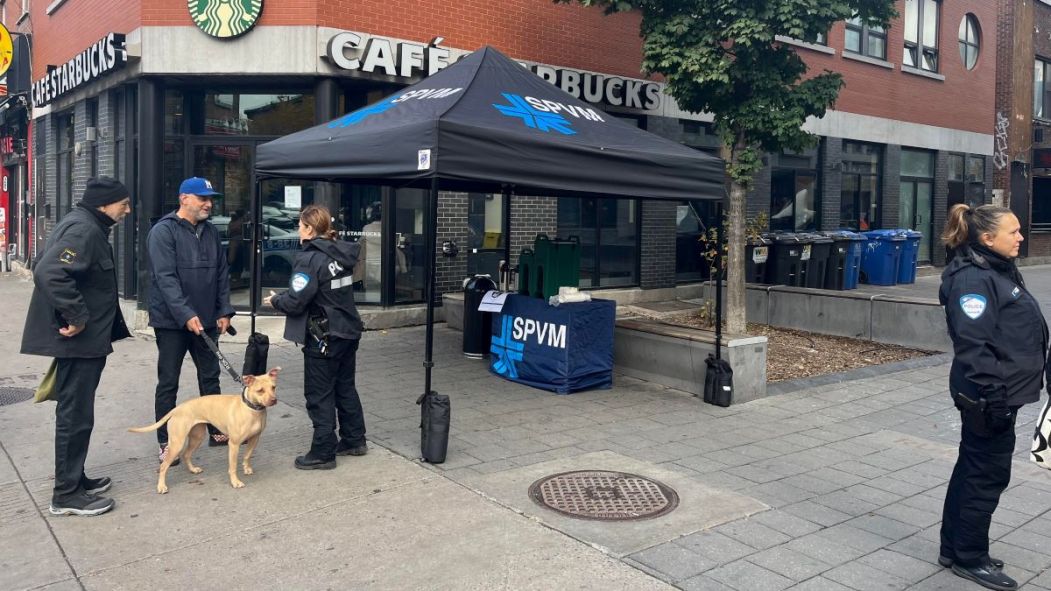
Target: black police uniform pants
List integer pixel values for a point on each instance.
(172, 346)
(982, 472)
(330, 393)
(75, 383)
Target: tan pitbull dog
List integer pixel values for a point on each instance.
(242, 418)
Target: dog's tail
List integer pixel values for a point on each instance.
(154, 426)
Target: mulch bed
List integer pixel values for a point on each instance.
(794, 354)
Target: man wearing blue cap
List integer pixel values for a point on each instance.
(190, 295)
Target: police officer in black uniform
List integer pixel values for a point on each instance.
(74, 316)
(1000, 345)
(322, 317)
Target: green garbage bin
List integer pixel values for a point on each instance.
(556, 263)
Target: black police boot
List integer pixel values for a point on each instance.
(96, 486)
(309, 462)
(986, 575)
(345, 449)
(945, 561)
(81, 504)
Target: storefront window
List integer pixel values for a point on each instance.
(360, 219)
(485, 239)
(608, 232)
(692, 221)
(793, 192)
(214, 113)
(64, 160)
(860, 198)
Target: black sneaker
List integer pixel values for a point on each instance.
(344, 449)
(945, 561)
(164, 453)
(96, 486)
(987, 576)
(309, 462)
(81, 504)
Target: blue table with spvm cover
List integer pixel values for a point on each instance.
(565, 348)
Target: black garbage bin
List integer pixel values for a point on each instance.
(841, 259)
(785, 266)
(477, 326)
(756, 256)
(815, 260)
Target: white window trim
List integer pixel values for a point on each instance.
(805, 45)
(54, 6)
(850, 55)
(920, 72)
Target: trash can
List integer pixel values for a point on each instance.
(909, 252)
(881, 257)
(815, 259)
(477, 326)
(756, 256)
(844, 259)
(527, 273)
(785, 266)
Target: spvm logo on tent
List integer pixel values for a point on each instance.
(545, 115)
(391, 102)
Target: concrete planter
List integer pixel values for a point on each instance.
(674, 356)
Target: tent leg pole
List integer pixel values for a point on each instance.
(254, 283)
(508, 193)
(718, 279)
(430, 239)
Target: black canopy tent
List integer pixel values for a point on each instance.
(488, 124)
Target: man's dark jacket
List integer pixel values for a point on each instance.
(322, 285)
(75, 284)
(189, 272)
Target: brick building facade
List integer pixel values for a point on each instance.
(901, 144)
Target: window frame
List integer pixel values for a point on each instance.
(865, 35)
(965, 45)
(1042, 93)
(875, 221)
(918, 50)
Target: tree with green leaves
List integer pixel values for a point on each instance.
(723, 57)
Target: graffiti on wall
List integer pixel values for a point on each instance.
(1000, 157)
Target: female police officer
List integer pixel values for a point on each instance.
(1000, 346)
(322, 317)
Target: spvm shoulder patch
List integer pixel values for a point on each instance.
(68, 256)
(300, 282)
(1016, 292)
(973, 305)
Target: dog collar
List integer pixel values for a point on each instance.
(251, 405)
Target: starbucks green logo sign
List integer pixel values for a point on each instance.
(225, 19)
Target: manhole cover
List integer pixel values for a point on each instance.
(13, 395)
(604, 496)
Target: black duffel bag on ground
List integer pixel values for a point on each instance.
(718, 382)
(435, 412)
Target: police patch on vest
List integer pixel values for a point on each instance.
(300, 282)
(973, 305)
(1016, 292)
(67, 256)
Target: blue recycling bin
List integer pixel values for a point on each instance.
(909, 252)
(881, 257)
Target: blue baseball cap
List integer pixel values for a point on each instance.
(196, 185)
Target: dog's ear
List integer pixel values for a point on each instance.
(273, 372)
(248, 379)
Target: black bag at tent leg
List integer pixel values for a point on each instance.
(435, 412)
(255, 354)
(718, 382)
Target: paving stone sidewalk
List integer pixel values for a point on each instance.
(838, 486)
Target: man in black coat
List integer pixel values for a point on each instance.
(190, 295)
(74, 316)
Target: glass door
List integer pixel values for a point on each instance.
(410, 248)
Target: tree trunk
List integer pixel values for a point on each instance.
(735, 238)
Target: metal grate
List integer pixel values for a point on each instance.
(604, 496)
(13, 395)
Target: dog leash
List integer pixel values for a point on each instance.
(222, 359)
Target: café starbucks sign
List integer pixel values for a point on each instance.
(225, 19)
